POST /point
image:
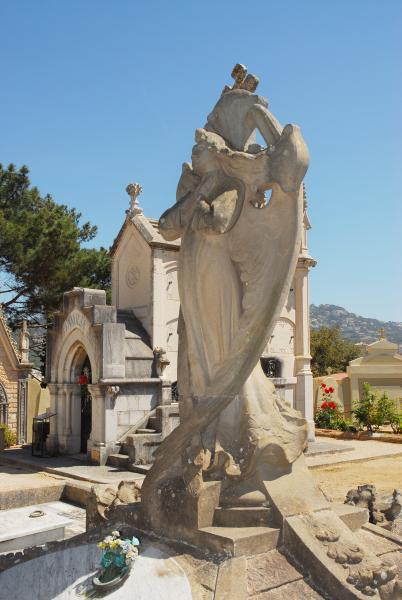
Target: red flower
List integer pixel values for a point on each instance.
(323, 385)
(82, 379)
(331, 390)
(326, 390)
(331, 405)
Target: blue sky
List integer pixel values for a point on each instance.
(96, 94)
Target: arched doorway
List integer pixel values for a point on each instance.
(82, 374)
(86, 404)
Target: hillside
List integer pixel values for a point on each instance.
(353, 327)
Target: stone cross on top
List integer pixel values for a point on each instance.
(134, 190)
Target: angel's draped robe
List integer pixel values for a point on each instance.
(256, 425)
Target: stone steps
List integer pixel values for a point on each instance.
(141, 468)
(121, 461)
(154, 422)
(239, 541)
(243, 516)
(145, 430)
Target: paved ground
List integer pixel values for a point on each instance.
(336, 465)
(357, 451)
(322, 452)
(10, 475)
(67, 466)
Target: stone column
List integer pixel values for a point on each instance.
(304, 401)
(62, 418)
(75, 401)
(52, 442)
(159, 299)
(67, 409)
(22, 408)
(97, 442)
(72, 418)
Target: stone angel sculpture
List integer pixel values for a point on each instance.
(237, 259)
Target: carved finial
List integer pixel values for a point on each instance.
(242, 80)
(381, 331)
(239, 73)
(134, 190)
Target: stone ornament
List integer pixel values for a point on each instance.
(367, 573)
(23, 342)
(242, 80)
(383, 509)
(133, 276)
(161, 360)
(134, 190)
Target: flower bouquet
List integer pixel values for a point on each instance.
(118, 556)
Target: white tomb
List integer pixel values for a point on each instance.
(25, 527)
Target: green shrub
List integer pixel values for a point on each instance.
(396, 423)
(9, 435)
(371, 412)
(345, 425)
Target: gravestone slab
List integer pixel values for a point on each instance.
(18, 530)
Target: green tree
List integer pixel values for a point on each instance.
(330, 350)
(41, 253)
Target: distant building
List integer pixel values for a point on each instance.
(380, 366)
(21, 396)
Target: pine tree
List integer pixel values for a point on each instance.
(41, 253)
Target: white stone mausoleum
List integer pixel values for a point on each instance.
(111, 369)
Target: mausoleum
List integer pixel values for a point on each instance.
(380, 366)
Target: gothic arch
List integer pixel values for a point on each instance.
(73, 352)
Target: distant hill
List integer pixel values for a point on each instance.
(353, 327)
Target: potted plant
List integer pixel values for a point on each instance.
(117, 559)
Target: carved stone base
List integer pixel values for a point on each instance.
(317, 537)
